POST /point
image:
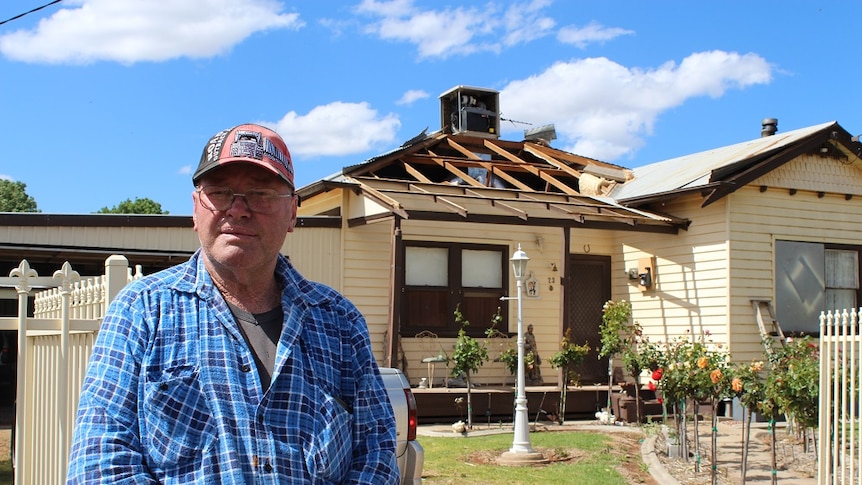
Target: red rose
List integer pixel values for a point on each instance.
(656, 374)
(660, 401)
(651, 386)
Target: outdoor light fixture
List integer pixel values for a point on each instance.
(521, 452)
(645, 278)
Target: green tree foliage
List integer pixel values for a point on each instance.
(14, 198)
(137, 206)
(792, 384)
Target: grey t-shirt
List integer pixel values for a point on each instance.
(261, 332)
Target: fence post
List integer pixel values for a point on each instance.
(24, 273)
(823, 461)
(117, 275)
(67, 277)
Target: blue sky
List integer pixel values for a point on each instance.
(106, 100)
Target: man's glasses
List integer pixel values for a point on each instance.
(264, 201)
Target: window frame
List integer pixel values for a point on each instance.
(454, 293)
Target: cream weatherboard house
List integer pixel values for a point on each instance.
(765, 230)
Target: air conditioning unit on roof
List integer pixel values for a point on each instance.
(471, 111)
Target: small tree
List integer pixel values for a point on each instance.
(137, 206)
(568, 358)
(618, 334)
(469, 355)
(749, 384)
(14, 198)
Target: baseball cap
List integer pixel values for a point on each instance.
(248, 143)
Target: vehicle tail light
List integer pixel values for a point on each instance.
(411, 415)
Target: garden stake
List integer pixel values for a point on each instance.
(696, 436)
(714, 471)
(746, 440)
(774, 461)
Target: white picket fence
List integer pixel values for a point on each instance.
(53, 348)
(840, 437)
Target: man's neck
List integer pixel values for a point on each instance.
(255, 294)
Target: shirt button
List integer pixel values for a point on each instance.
(267, 467)
(246, 368)
(163, 387)
(260, 418)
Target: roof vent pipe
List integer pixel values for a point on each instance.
(769, 127)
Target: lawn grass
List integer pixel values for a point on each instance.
(594, 459)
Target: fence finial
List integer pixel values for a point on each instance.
(67, 276)
(23, 272)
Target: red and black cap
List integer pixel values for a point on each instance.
(247, 143)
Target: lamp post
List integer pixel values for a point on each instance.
(521, 452)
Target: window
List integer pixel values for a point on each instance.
(811, 278)
(439, 277)
(842, 278)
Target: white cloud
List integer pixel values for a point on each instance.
(6, 177)
(593, 32)
(602, 109)
(450, 31)
(337, 129)
(523, 22)
(131, 31)
(411, 96)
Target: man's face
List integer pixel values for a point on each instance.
(237, 239)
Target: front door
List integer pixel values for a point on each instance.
(588, 287)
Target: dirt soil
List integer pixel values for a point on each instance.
(794, 464)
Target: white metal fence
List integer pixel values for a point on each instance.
(53, 348)
(840, 439)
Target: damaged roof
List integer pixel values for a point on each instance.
(470, 178)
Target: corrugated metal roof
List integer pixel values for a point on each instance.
(693, 171)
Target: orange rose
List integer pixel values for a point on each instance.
(715, 376)
(736, 384)
(702, 362)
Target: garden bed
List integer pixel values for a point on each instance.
(794, 464)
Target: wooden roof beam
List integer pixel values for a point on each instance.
(496, 203)
(419, 176)
(553, 161)
(459, 173)
(565, 188)
(495, 171)
(440, 200)
(512, 157)
(578, 216)
(467, 153)
(384, 200)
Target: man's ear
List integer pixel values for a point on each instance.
(194, 210)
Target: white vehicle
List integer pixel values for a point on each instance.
(411, 455)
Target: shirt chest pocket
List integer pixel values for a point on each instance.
(330, 452)
(178, 423)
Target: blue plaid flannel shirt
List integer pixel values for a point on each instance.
(172, 395)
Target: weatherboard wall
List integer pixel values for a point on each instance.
(688, 298)
(759, 218)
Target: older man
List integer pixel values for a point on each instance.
(232, 368)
